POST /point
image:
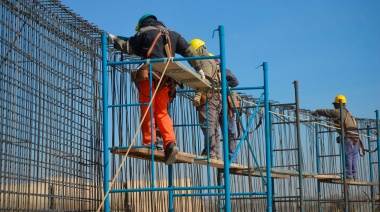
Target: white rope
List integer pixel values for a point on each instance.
(134, 138)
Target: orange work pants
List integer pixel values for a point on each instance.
(160, 114)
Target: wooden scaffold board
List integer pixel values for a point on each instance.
(183, 74)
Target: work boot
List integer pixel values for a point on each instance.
(171, 152)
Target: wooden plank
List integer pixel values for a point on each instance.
(357, 183)
(294, 173)
(237, 168)
(159, 156)
(183, 74)
(182, 157)
(216, 163)
(257, 174)
(326, 176)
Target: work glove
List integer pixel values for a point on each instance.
(203, 77)
(197, 99)
(112, 38)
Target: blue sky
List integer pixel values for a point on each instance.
(330, 47)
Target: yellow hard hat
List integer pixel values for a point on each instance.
(211, 54)
(340, 97)
(196, 43)
(142, 19)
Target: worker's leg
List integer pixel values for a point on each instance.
(355, 157)
(214, 136)
(231, 136)
(162, 117)
(144, 97)
(202, 118)
(210, 132)
(349, 147)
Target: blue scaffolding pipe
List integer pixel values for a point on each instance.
(165, 189)
(248, 88)
(220, 194)
(378, 146)
(371, 169)
(317, 150)
(267, 138)
(106, 165)
(170, 184)
(227, 185)
(272, 153)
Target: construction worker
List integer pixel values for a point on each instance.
(351, 137)
(211, 70)
(154, 40)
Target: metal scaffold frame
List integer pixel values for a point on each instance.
(226, 188)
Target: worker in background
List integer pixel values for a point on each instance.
(211, 71)
(154, 40)
(351, 138)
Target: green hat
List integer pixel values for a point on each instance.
(143, 18)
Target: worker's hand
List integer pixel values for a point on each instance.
(203, 77)
(197, 99)
(112, 38)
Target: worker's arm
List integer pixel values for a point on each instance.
(331, 113)
(186, 50)
(232, 81)
(190, 52)
(122, 43)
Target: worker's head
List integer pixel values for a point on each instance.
(196, 43)
(337, 100)
(143, 18)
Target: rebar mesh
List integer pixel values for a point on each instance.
(50, 140)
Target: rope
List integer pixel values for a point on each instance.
(134, 137)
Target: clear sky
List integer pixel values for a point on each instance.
(330, 47)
